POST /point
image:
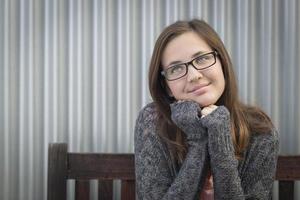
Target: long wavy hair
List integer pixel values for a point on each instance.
(244, 119)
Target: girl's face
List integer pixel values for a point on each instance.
(204, 87)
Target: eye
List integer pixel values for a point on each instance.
(177, 69)
(203, 59)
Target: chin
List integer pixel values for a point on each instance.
(205, 103)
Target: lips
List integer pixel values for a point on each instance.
(198, 88)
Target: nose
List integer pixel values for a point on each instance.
(193, 74)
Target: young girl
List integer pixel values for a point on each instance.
(196, 140)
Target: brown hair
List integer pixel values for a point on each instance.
(244, 119)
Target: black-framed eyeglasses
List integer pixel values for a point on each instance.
(201, 62)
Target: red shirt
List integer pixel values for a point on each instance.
(208, 190)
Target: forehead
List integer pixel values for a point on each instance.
(182, 47)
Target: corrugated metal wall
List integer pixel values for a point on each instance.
(76, 71)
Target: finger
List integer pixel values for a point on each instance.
(205, 111)
(208, 110)
(213, 106)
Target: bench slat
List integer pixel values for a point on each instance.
(82, 190)
(105, 190)
(286, 190)
(127, 190)
(101, 166)
(57, 170)
(288, 168)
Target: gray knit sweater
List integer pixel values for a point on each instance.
(209, 144)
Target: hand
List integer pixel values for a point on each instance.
(206, 110)
(215, 116)
(185, 114)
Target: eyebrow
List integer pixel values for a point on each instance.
(193, 56)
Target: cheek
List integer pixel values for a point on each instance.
(218, 77)
(220, 86)
(223, 85)
(222, 81)
(176, 88)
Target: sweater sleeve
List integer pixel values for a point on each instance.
(154, 179)
(259, 174)
(260, 163)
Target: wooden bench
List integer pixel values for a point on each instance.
(288, 171)
(82, 167)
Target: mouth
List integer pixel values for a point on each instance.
(199, 89)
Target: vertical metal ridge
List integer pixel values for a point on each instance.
(136, 67)
(54, 70)
(267, 58)
(6, 118)
(275, 112)
(104, 46)
(2, 97)
(87, 79)
(128, 76)
(22, 100)
(298, 75)
(62, 75)
(292, 62)
(78, 74)
(45, 94)
(71, 74)
(144, 56)
(30, 134)
(252, 58)
(120, 65)
(96, 123)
